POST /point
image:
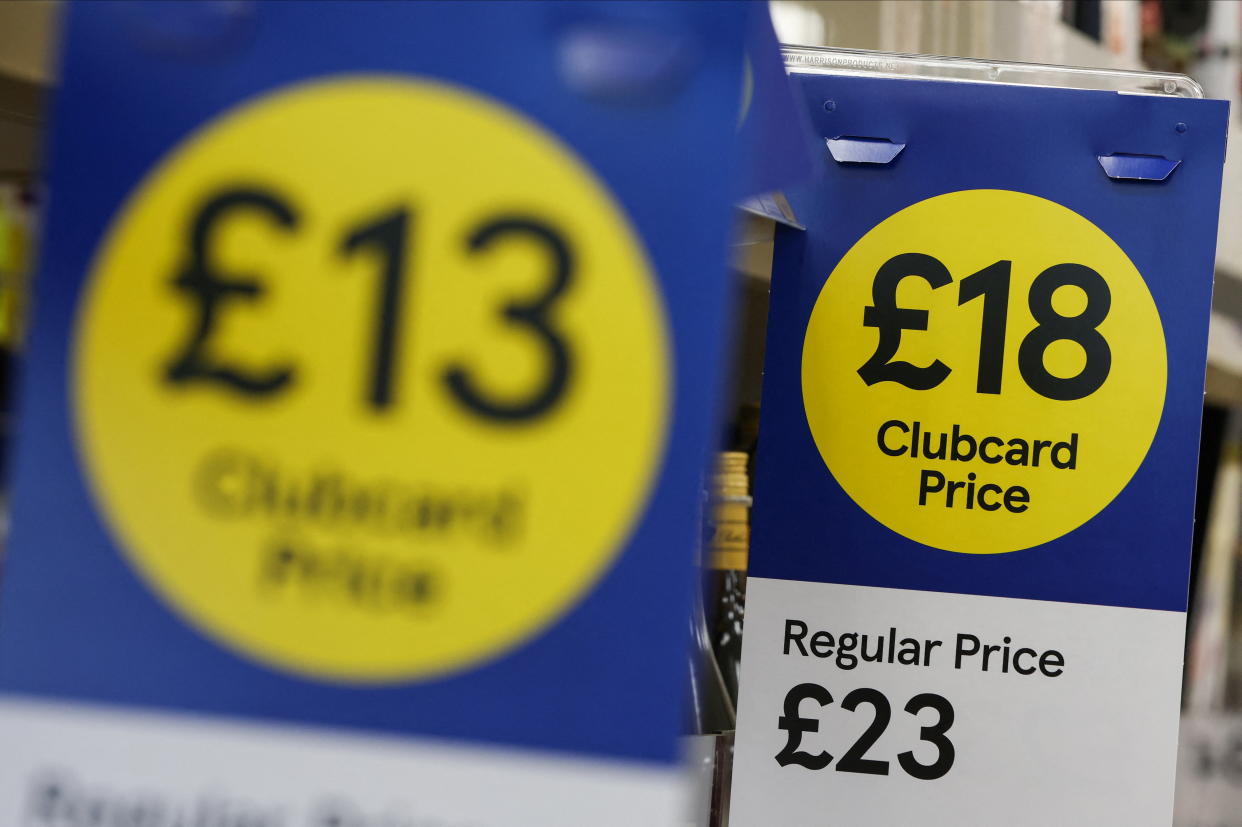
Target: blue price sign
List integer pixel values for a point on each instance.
(370, 385)
(975, 493)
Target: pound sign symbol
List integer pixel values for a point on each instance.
(794, 725)
(890, 320)
(202, 284)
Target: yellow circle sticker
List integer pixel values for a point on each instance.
(372, 379)
(984, 371)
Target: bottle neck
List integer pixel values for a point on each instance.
(729, 547)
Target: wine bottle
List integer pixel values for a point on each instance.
(729, 549)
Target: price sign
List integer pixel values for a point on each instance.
(974, 499)
(967, 406)
(459, 344)
(371, 382)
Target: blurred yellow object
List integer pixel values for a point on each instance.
(497, 517)
(14, 262)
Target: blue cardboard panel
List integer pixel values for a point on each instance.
(774, 135)
(1041, 141)
(136, 80)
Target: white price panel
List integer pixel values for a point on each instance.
(885, 706)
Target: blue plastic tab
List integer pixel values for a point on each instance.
(851, 150)
(627, 62)
(1125, 167)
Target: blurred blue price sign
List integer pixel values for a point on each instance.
(369, 390)
(974, 500)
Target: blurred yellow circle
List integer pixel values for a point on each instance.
(372, 379)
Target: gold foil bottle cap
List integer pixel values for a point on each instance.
(730, 542)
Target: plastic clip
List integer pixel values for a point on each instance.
(1121, 166)
(853, 150)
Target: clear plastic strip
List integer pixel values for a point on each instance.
(809, 60)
